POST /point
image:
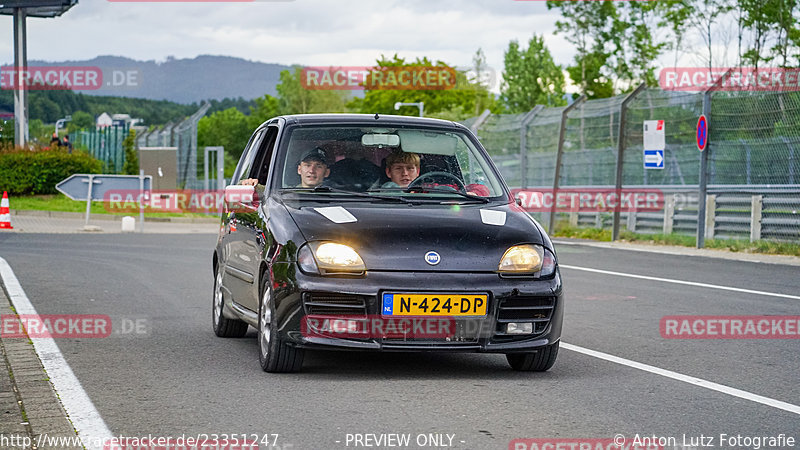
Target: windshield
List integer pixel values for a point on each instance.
(407, 162)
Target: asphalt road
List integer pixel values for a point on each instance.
(175, 377)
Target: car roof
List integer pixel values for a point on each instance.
(371, 119)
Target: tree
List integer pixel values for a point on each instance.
(131, 166)
(640, 23)
(589, 25)
(295, 98)
(228, 128)
(455, 98)
(265, 108)
(479, 82)
(80, 120)
(530, 77)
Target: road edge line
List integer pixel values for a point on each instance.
(687, 283)
(686, 379)
(87, 421)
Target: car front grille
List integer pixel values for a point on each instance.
(327, 304)
(524, 309)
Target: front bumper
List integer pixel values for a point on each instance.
(540, 302)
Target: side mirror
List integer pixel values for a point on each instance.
(238, 197)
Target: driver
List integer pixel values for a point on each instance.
(313, 168)
(402, 168)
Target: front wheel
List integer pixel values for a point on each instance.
(273, 354)
(539, 361)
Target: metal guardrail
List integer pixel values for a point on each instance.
(747, 212)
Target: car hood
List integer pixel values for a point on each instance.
(397, 237)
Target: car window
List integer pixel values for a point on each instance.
(263, 157)
(365, 159)
(246, 160)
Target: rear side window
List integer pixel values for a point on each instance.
(249, 153)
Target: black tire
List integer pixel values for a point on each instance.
(224, 327)
(274, 355)
(538, 361)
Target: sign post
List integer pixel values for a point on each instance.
(75, 187)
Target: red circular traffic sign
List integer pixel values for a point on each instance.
(702, 133)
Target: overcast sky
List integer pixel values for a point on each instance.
(306, 32)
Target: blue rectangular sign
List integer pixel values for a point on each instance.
(654, 159)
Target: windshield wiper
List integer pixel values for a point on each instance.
(445, 191)
(353, 193)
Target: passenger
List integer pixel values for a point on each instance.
(402, 168)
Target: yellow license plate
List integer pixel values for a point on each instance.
(441, 304)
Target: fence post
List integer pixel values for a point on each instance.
(631, 220)
(620, 154)
(669, 213)
(756, 205)
(703, 184)
(479, 121)
(523, 145)
(562, 134)
(710, 216)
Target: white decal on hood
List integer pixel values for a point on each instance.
(490, 217)
(337, 214)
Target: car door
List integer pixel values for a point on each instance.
(237, 274)
(251, 224)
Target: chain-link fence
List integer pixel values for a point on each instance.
(181, 135)
(752, 171)
(104, 144)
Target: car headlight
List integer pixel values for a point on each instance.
(527, 259)
(330, 258)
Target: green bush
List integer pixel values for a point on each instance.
(25, 172)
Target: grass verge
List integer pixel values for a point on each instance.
(733, 245)
(60, 202)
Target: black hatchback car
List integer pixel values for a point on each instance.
(388, 233)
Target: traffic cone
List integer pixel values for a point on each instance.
(5, 213)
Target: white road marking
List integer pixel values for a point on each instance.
(686, 379)
(92, 429)
(783, 260)
(687, 283)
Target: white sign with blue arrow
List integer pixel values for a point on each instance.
(654, 159)
(654, 144)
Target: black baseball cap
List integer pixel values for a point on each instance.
(316, 154)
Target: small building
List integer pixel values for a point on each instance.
(104, 120)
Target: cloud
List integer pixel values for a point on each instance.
(307, 32)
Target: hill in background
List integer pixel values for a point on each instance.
(185, 81)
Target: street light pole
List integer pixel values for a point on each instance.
(60, 122)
